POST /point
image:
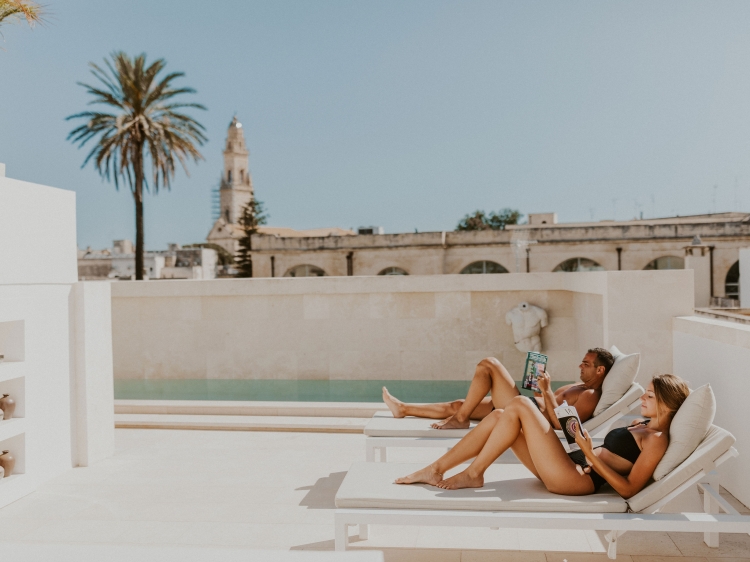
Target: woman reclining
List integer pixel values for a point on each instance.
(626, 461)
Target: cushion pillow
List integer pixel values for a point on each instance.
(618, 380)
(689, 426)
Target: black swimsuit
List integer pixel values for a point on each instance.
(621, 442)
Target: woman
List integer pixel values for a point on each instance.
(626, 461)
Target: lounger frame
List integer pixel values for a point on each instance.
(709, 522)
(376, 447)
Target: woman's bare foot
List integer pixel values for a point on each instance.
(461, 480)
(451, 423)
(394, 404)
(428, 475)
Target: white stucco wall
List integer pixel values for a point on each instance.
(43, 310)
(718, 352)
(414, 327)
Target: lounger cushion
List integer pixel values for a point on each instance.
(716, 442)
(688, 428)
(383, 424)
(508, 487)
(619, 379)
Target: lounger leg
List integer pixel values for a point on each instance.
(341, 540)
(710, 505)
(369, 451)
(364, 531)
(383, 454)
(612, 537)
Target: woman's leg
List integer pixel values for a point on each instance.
(438, 411)
(468, 447)
(489, 376)
(552, 464)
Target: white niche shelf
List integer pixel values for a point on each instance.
(13, 431)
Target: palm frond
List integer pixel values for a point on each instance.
(14, 10)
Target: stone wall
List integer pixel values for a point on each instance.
(393, 328)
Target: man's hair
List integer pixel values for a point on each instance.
(603, 358)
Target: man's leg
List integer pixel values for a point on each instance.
(489, 376)
(438, 411)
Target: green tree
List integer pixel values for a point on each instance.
(480, 220)
(15, 10)
(142, 123)
(253, 216)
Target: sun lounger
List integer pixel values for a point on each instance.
(383, 430)
(513, 498)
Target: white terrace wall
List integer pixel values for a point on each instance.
(412, 327)
(718, 352)
(56, 337)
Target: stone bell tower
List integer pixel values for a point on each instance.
(236, 185)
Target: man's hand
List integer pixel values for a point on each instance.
(544, 382)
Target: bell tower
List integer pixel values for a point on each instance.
(236, 185)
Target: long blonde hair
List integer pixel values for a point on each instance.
(670, 392)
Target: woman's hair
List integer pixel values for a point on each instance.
(670, 392)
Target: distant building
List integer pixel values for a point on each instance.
(118, 263)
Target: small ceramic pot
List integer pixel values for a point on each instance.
(2, 472)
(8, 406)
(7, 462)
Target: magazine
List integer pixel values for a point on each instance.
(569, 422)
(535, 363)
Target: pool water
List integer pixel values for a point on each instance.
(293, 390)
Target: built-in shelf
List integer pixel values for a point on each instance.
(11, 370)
(12, 427)
(13, 340)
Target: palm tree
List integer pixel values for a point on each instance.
(12, 10)
(145, 124)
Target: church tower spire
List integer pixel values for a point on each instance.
(236, 184)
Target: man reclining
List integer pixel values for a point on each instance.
(492, 376)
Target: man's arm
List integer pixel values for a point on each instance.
(586, 403)
(550, 402)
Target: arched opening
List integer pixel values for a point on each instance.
(393, 271)
(305, 270)
(732, 282)
(579, 264)
(484, 267)
(229, 176)
(666, 262)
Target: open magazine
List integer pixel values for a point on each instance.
(535, 363)
(569, 422)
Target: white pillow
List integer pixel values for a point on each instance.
(689, 426)
(619, 379)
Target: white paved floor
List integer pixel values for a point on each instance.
(275, 490)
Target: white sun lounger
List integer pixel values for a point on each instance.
(383, 430)
(513, 498)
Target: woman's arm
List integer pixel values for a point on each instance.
(654, 447)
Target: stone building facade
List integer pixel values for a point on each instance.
(542, 245)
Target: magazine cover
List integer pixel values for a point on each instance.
(569, 422)
(535, 363)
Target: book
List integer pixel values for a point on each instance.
(569, 422)
(535, 363)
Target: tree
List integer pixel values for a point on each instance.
(491, 221)
(15, 10)
(145, 125)
(253, 215)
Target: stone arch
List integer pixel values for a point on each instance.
(393, 270)
(305, 270)
(578, 264)
(484, 266)
(732, 282)
(666, 262)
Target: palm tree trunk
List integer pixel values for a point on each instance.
(138, 195)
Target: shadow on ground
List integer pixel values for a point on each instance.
(322, 494)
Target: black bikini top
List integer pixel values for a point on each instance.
(622, 443)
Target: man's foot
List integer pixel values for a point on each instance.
(451, 423)
(428, 475)
(394, 404)
(461, 480)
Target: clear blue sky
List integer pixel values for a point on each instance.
(406, 114)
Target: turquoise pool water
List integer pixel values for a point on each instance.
(292, 390)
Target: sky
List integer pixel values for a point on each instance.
(404, 114)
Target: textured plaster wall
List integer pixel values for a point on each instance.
(717, 352)
(403, 328)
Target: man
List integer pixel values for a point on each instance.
(492, 376)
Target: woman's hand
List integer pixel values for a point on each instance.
(584, 442)
(543, 381)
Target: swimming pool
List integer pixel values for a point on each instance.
(292, 390)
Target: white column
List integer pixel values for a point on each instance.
(745, 277)
(699, 260)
